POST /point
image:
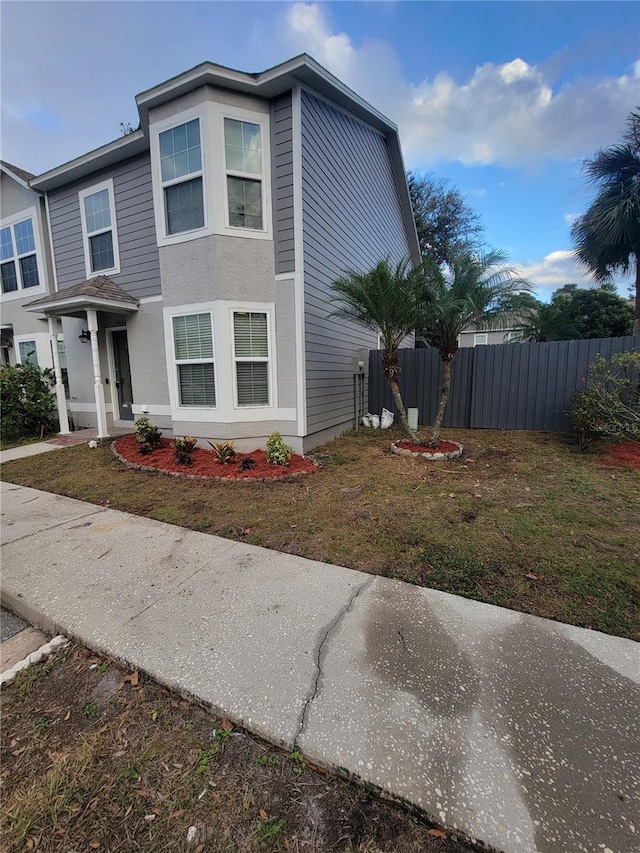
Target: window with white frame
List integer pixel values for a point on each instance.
(251, 356)
(182, 177)
(479, 338)
(193, 350)
(18, 258)
(99, 227)
(28, 352)
(515, 336)
(243, 164)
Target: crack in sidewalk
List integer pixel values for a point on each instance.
(319, 654)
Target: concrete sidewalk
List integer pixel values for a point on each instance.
(520, 732)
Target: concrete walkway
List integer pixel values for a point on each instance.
(77, 437)
(520, 732)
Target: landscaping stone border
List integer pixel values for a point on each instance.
(136, 466)
(428, 454)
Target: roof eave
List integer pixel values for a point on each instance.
(80, 303)
(113, 152)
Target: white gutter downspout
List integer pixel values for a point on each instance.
(101, 409)
(61, 399)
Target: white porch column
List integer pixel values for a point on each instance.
(61, 399)
(101, 409)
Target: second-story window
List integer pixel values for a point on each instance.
(243, 161)
(18, 260)
(181, 170)
(99, 229)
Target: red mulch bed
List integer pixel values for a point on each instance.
(204, 463)
(443, 447)
(626, 453)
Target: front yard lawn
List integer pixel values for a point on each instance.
(521, 520)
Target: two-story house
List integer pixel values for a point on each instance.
(194, 256)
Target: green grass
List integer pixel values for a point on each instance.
(517, 504)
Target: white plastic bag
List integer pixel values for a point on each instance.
(386, 419)
(366, 420)
(375, 421)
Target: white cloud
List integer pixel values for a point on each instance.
(558, 268)
(570, 218)
(510, 113)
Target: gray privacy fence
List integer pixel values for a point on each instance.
(503, 386)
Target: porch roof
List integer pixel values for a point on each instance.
(98, 294)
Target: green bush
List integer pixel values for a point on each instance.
(609, 404)
(28, 402)
(278, 453)
(147, 434)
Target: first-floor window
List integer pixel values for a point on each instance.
(251, 354)
(193, 348)
(28, 352)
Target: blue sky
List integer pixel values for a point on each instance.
(503, 99)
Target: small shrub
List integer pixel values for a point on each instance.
(223, 451)
(609, 403)
(247, 464)
(278, 453)
(184, 447)
(147, 434)
(28, 403)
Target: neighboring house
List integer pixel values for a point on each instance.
(194, 256)
(26, 271)
(473, 337)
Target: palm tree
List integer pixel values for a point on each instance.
(474, 290)
(607, 236)
(388, 300)
(546, 322)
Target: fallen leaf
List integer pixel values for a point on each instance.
(225, 724)
(133, 679)
(18, 752)
(263, 814)
(68, 714)
(141, 793)
(437, 833)
(176, 814)
(532, 576)
(95, 845)
(154, 716)
(128, 811)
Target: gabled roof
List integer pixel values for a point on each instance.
(301, 70)
(99, 293)
(21, 175)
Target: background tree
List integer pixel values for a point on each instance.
(444, 221)
(607, 236)
(576, 312)
(472, 290)
(388, 300)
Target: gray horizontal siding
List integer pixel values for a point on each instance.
(139, 265)
(282, 190)
(351, 219)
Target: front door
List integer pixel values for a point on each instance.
(124, 392)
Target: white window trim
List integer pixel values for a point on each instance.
(479, 343)
(162, 235)
(226, 409)
(179, 411)
(265, 308)
(32, 214)
(43, 348)
(263, 121)
(96, 188)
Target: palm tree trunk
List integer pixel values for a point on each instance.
(397, 397)
(442, 405)
(636, 316)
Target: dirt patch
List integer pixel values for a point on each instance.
(245, 466)
(143, 769)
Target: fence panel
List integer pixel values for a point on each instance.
(502, 386)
